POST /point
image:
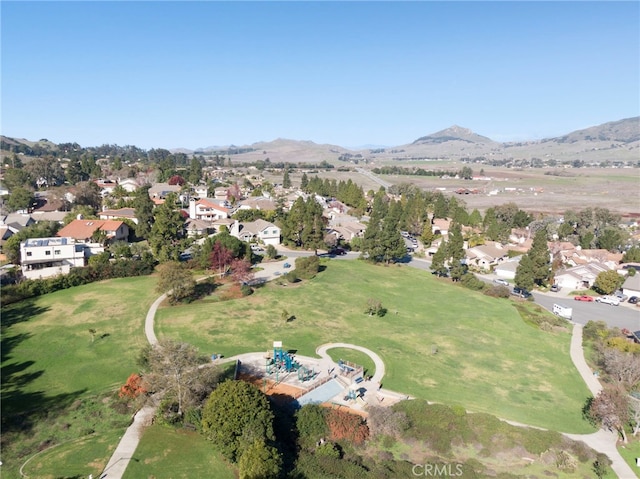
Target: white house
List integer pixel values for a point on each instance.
(128, 213)
(487, 255)
(129, 184)
(258, 230)
(631, 286)
(200, 191)
(507, 269)
(208, 209)
(46, 257)
(580, 277)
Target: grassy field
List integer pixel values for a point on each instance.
(630, 452)
(53, 370)
(354, 356)
(165, 452)
(487, 358)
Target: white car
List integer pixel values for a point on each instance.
(503, 282)
(612, 300)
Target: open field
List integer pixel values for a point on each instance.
(53, 371)
(487, 358)
(166, 452)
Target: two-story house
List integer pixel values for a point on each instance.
(46, 257)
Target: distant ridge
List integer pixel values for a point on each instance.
(625, 131)
(453, 133)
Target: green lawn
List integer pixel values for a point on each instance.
(168, 453)
(487, 358)
(630, 452)
(354, 356)
(53, 370)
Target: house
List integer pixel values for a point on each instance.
(441, 226)
(257, 203)
(106, 186)
(129, 184)
(507, 269)
(487, 255)
(159, 191)
(581, 276)
(13, 223)
(195, 227)
(209, 209)
(128, 213)
(46, 257)
(200, 191)
(258, 230)
(631, 286)
(83, 230)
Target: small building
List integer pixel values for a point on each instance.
(507, 269)
(486, 256)
(581, 276)
(46, 257)
(258, 230)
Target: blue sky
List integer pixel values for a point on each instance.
(196, 74)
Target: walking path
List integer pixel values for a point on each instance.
(377, 377)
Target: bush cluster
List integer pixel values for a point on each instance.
(97, 271)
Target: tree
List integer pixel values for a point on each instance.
(144, 212)
(524, 273)
(427, 236)
(610, 408)
(241, 271)
(20, 199)
(195, 171)
(260, 461)
(286, 181)
(610, 239)
(475, 218)
(608, 281)
(466, 173)
(311, 424)
(634, 414)
(304, 182)
(235, 416)
(632, 255)
(272, 252)
(220, 258)
(455, 251)
(167, 230)
(179, 373)
(177, 180)
(540, 258)
(176, 281)
(623, 368)
(438, 260)
(17, 178)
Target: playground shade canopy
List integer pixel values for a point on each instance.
(322, 393)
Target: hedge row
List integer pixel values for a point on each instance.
(121, 268)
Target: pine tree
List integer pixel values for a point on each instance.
(438, 260)
(304, 182)
(540, 258)
(167, 230)
(144, 212)
(286, 181)
(524, 273)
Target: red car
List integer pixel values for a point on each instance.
(583, 298)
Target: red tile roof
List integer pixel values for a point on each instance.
(84, 229)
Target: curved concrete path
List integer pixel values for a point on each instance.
(604, 441)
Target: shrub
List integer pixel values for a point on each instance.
(470, 281)
(307, 266)
(345, 426)
(311, 424)
(497, 291)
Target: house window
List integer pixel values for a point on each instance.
(56, 251)
(273, 232)
(48, 253)
(29, 253)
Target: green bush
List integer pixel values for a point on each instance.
(307, 266)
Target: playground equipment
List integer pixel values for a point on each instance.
(282, 361)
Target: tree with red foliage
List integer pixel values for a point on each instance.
(346, 426)
(220, 257)
(610, 408)
(133, 387)
(233, 193)
(241, 270)
(177, 180)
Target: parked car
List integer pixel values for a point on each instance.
(584, 297)
(520, 292)
(555, 288)
(621, 296)
(286, 265)
(612, 300)
(501, 281)
(337, 251)
(633, 300)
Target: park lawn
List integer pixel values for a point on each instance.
(53, 371)
(165, 452)
(49, 351)
(77, 458)
(487, 360)
(630, 452)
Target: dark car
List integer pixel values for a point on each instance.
(520, 292)
(633, 300)
(338, 252)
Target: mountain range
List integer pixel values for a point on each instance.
(613, 141)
